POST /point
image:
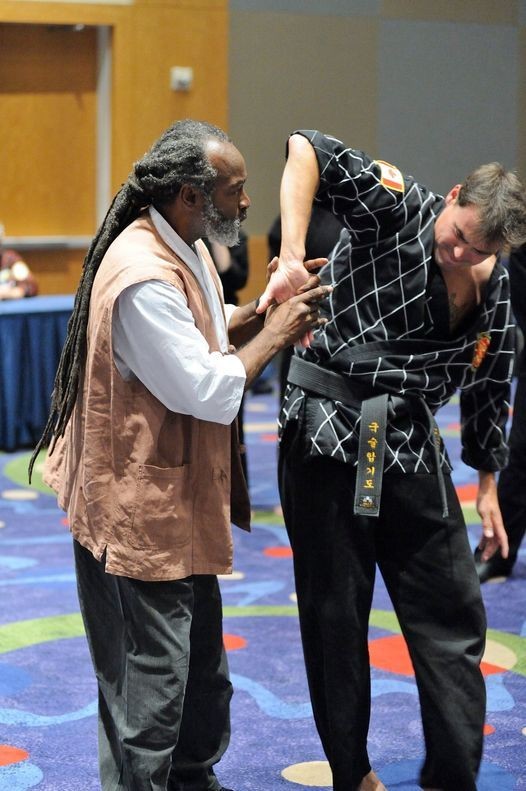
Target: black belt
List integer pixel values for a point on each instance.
(373, 427)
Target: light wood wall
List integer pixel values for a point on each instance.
(48, 189)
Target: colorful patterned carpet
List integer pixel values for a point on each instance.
(47, 688)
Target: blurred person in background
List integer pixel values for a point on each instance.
(16, 279)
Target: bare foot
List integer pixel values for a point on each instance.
(371, 782)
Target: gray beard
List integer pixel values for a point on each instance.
(219, 228)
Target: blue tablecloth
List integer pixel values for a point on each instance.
(32, 333)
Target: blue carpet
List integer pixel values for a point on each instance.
(48, 693)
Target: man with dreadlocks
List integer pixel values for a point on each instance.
(145, 460)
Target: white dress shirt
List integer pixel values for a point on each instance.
(156, 340)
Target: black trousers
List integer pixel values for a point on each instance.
(164, 690)
(429, 572)
(512, 480)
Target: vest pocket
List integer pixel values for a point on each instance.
(162, 510)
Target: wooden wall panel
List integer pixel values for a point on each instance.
(57, 271)
(148, 37)
(47, 129)
(162, 36)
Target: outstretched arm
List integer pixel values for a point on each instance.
(299, 185)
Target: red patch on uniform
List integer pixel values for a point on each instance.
(481, 347)
(390, 176)
(488, 729)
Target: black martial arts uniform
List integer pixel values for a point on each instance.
(388, 334)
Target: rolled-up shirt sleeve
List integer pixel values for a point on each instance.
(155, 339)
(229, 312)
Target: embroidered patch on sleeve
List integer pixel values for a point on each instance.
(390, 177)
(481, 347)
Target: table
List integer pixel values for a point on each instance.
(32, 333)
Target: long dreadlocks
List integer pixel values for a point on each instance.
(178, 157)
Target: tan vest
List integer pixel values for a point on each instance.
(149, 487)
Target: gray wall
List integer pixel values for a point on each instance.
(433, 86)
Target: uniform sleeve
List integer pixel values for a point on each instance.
(517, 270)
(484, 407)
(368, 196)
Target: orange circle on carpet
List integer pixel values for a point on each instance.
(467, 492)
(12, 755)
(278, 552)
(233, 642)
(391, 654)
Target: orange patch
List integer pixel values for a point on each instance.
(12, 755)
(390, 653)
(278, 552)
(390, 177)
(487, 669)
(268, 437)
(467, 492)
(482, 346)
(233, 642)
(488, 729)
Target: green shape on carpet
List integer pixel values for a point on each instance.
(268, 518)
(471, 515)
(16, 471)
(22, 634)
(258, 611)
(515, 643)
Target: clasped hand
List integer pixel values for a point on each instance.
(285, 281)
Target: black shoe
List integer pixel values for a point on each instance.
(496, 566)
